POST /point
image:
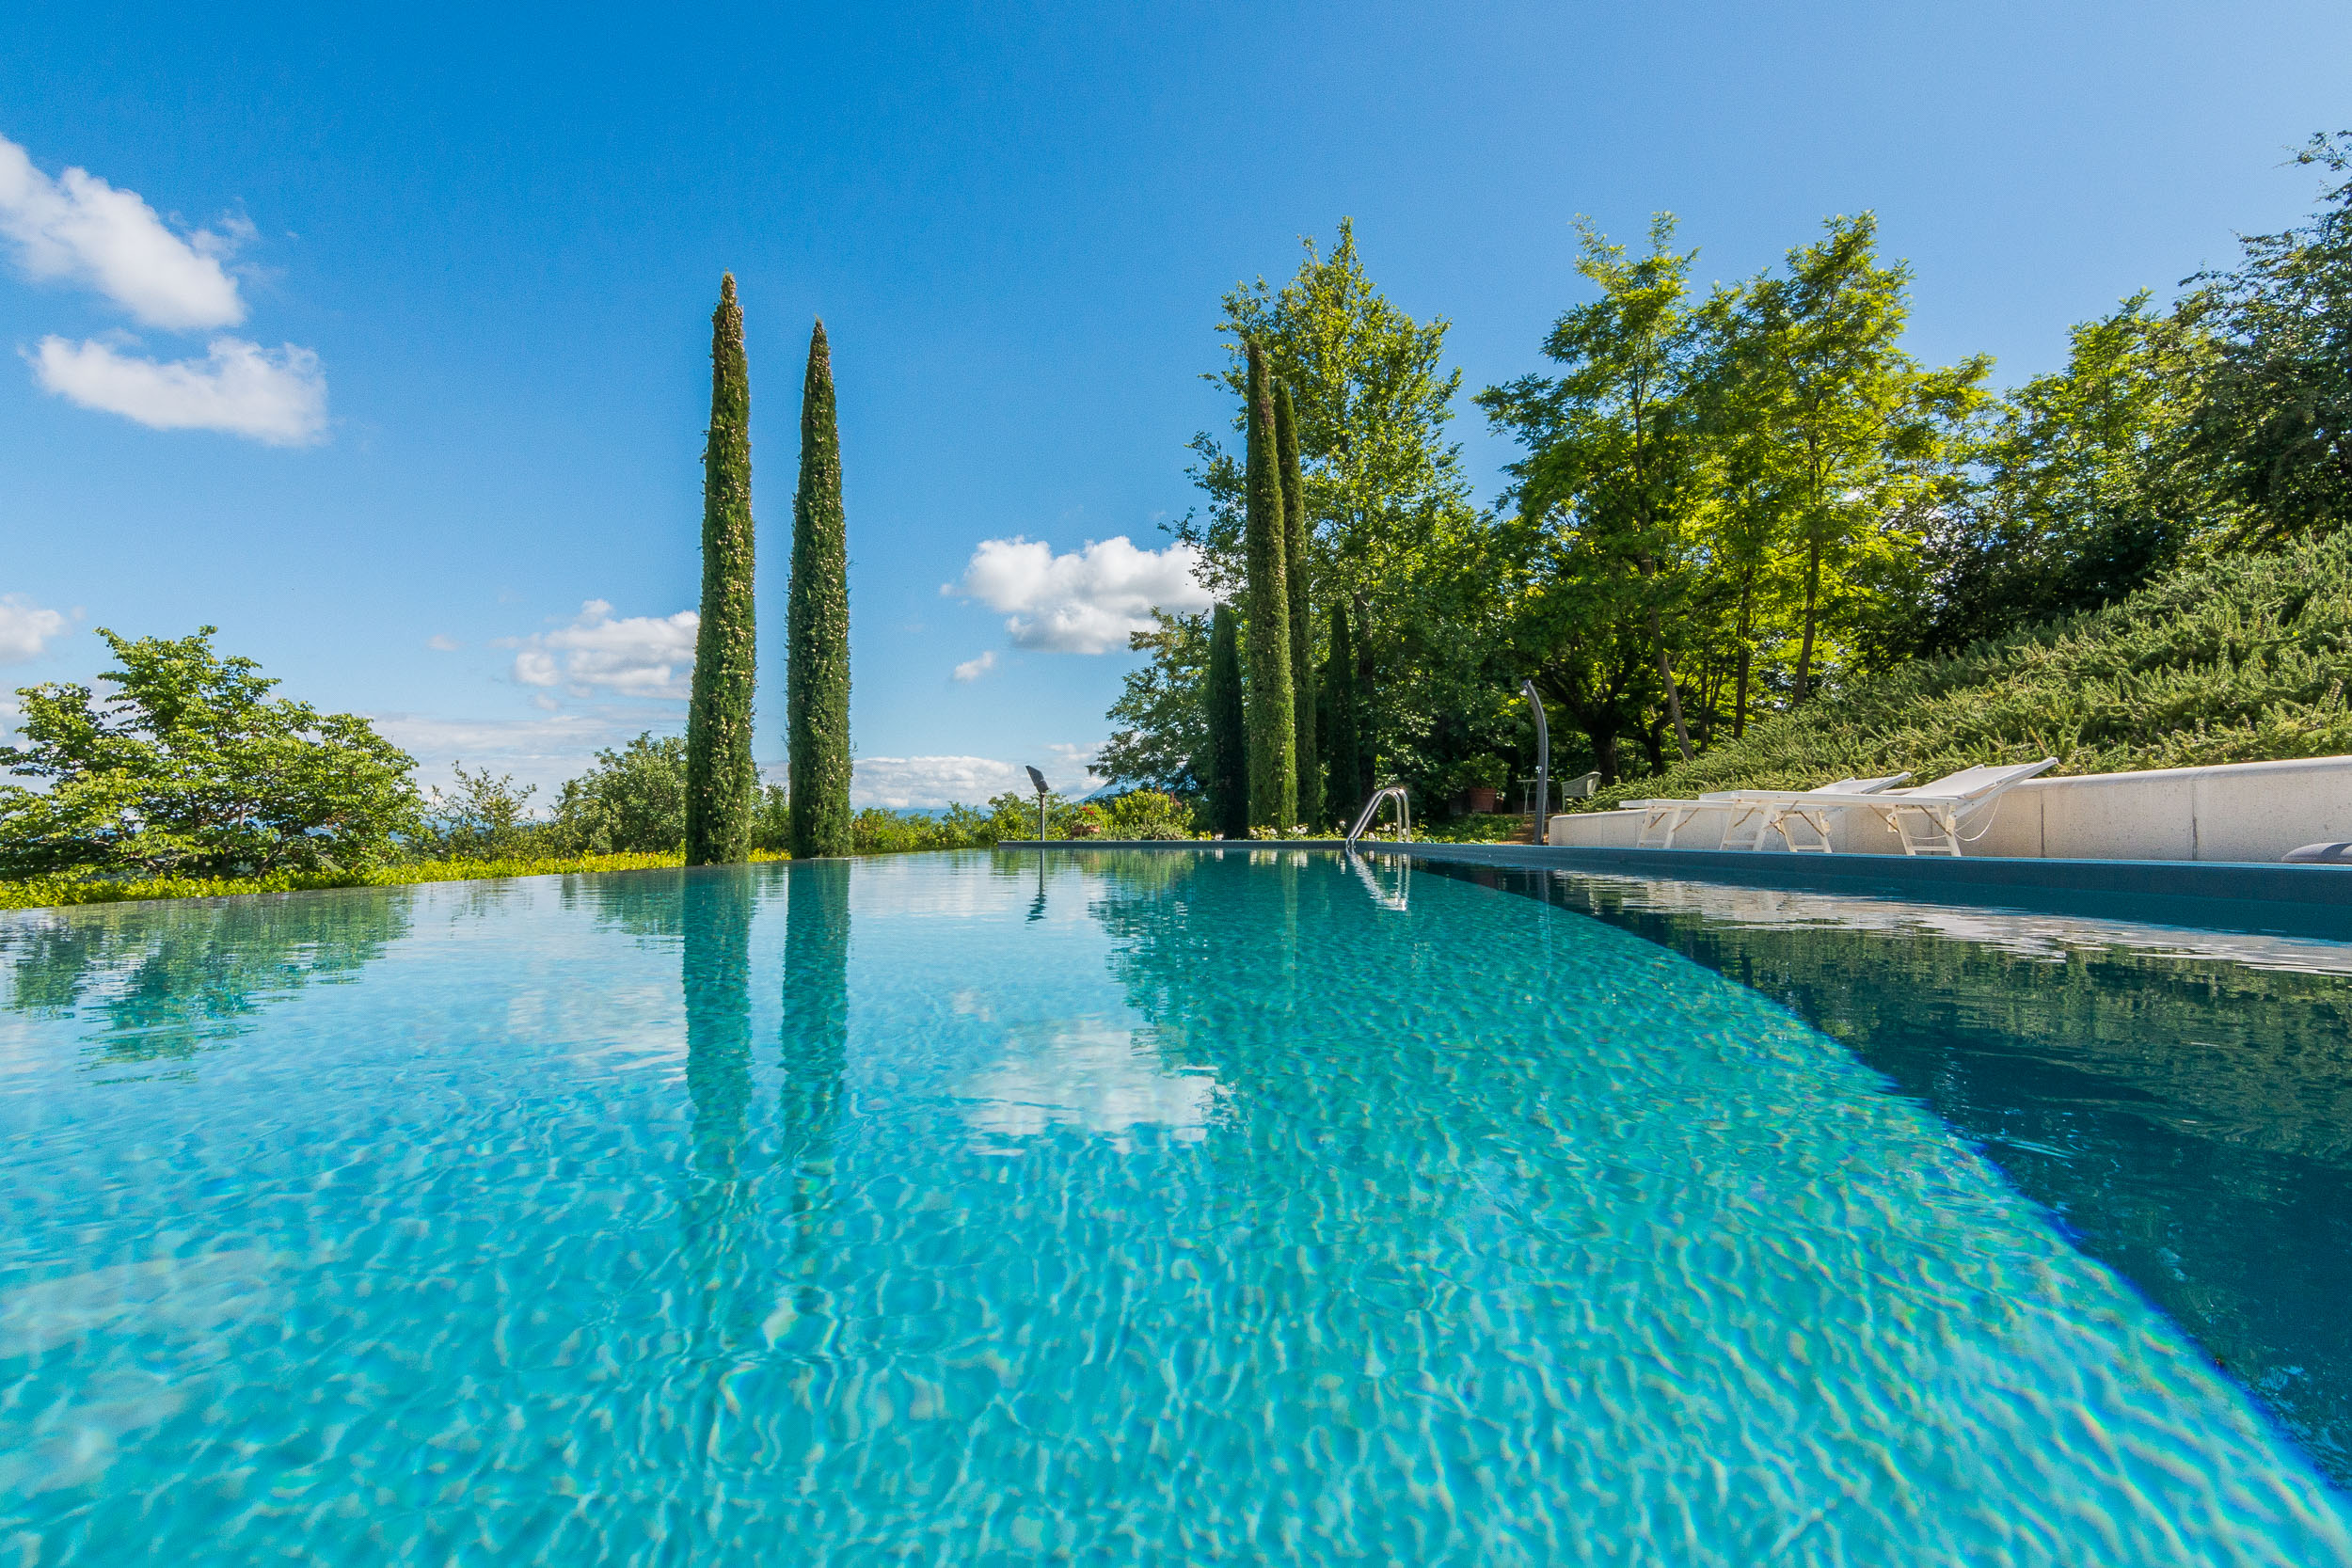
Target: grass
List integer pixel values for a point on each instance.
(53, 892)
(2242, 659)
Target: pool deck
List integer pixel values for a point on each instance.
(2304, 900)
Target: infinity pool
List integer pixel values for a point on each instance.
(1100, 1209)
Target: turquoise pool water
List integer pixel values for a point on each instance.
(1101, 1208)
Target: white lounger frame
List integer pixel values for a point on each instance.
(1929, 819)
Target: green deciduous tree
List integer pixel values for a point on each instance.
(189, 767)
(1863, 422)
(1295, 562)
(1225, 776)
(1162, 738)
(2076, 493)
(1614, 449)
(1273, 722)
(633, 800)
(1384, 489)
(2274, 420)
(719, 774)
(818, 676)
(1343, 751)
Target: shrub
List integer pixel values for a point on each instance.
(633, 802)
(188, 768)
(1147, 814)
(479, 818)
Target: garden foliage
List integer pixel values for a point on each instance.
(181, 764)
(2242, 656)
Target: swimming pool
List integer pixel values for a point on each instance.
(970, 1208)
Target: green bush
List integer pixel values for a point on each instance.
(1145, 814)
(633, 802)
(481, 818)
(189, 767)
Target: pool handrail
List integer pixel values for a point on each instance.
(1404, 815)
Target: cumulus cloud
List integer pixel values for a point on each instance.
(239, 388)
(901, 783)
(80, 228)
(973, 668)
(1083, 603)
(641, 655)
(27, 629)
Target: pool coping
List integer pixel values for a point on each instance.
(2234, 895)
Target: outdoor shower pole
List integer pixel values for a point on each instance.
(1543, 761)
(1039, 779)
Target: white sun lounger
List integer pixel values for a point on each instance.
(1663, 819)
(1759, 812)
(1929, 819)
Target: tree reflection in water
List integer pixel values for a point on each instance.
(2181, 1101)
(171, 978)
(816, 1036)
(714, 910)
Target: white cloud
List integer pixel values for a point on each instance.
(973, 668)
(27, 629)
(440, 642)
(902, 783)
(538, 752)
(1082, 603)
(239, 388)
(77, 227)
(640, 655)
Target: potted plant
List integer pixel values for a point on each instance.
(1478, 779)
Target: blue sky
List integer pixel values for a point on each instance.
(448, 282)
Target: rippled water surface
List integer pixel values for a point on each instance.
(1098, 1209)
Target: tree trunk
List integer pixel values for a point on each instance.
(1666, 674)
(1812, 600)
(1747, 652)
(1367, 741)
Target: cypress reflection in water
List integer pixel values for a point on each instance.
(816, 1035)
(2180, 1100)
(715, 905)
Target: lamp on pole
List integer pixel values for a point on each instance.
(1039, 779)
(1543, 759)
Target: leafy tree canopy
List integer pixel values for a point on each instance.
(187, 765)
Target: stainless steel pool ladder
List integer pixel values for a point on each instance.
(1404, 815)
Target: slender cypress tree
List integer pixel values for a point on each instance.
(1343, 745)
(1367, 743)
(721, 779)
(818, 676)
(1302, 621)
(1273, 720)
(1226, 768)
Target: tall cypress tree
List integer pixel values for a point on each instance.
(1302, 621)
(1225, 772)
(1341, 744)
(817, 677)
(721, 778)
(1273, 720)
